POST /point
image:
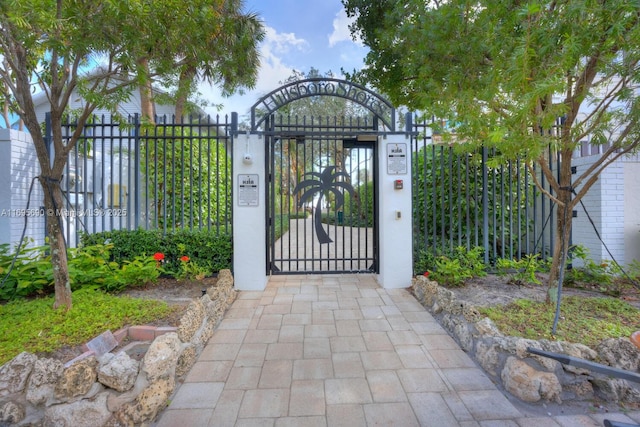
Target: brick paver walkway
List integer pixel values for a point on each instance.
(339, 350)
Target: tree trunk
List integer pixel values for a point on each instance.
(563, 222)
(53, 203)
(5, 115)
(184, 89)
(146, 94)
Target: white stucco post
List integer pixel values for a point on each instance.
(395, 211)
(249, 223)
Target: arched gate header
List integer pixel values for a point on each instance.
(293, 91)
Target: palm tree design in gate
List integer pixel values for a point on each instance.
(326, 182)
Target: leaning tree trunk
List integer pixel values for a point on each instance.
(563, 224)
(53, 204)
(146, 94)
(187, 75)
(560, 248)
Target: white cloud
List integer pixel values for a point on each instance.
(283, 42)
(272, 68)
(341, 30)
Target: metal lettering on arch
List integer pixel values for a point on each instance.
(293, 91)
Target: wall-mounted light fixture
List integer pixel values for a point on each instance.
(247, 158)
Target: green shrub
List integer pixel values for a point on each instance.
(358, 210)
(90, 265)
(522, 270)
(454, 268)
(207, 249)
(140, 271)
(114, 260)
(602, 274)
(30, 275)
(126, 244)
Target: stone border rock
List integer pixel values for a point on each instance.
(528, 377)
(112, 389)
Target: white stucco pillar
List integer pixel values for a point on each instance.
(249, 223)
(395, 212)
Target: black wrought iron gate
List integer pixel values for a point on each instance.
(321, 197)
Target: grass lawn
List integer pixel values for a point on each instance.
(33, 325)
(584, 320)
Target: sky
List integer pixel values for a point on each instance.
(300, 35)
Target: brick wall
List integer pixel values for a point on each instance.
(632, 208)
(607, 204)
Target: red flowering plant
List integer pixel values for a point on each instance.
(190, 270)
(159, 257)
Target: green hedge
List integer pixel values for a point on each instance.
(206, 248)
(357, 210)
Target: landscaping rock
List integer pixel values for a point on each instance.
(547, 363)
(581, 389)
(14, 374)
(576, 350)
(470, 313)
(191, 321)
(117, 400)
(82, 413)
(462, 331)
(42, 382)
(487, 356)
(44, 392)
(620, 353)
(444, 301)
(162, 357)
(529, 377)
(147, 405)
(225, 278)
(186, 359)
(77, 380)
(528, 384)
(12, 412)
(486, 327)
(118, 372)
(615, 389)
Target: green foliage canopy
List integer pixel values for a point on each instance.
(505, 71)
(517, 76)
(103, 50)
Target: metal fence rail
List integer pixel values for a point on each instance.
(470, 199)
(134, 175)
(178, 175)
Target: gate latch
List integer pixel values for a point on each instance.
(397, 184)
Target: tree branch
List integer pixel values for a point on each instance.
(605, 160)
(532, 172)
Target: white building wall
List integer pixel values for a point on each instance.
(18, 167)
(612, 202)
(126, 108)
(609, 202)
(632, 209)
